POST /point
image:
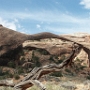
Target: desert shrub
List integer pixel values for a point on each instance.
(82, 67)
(6, 72)
(1, 71)
(56, 60)
(2, 77)
(11, 64)
(20, 70)
(88, 77)
(35, 60)
(56, 57)
(57, 74)
(51, 59)
(42, 51)
(24, 51)
(60, 61)
(21, 53)
(78, 65)
(67, 70)
(16, 76)
(11, 75)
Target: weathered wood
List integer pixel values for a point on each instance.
(26, 84)
(33, 77)
(88, 53)
(75, 52)
(7, 83)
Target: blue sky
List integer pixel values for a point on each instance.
(56, 16)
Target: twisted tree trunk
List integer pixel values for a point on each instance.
(33, 77)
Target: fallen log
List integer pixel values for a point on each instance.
(33, 77)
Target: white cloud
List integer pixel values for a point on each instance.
(86, 3)
(38, 26)
(13, 24)
(8, 24)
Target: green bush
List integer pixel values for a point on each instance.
(51, 59)
(11, 64)
(16, 76)
(1, 71)
(82, 67)
(88, 77)
(6, 72)
(56, 57)
(10, 75)
(42, 51)
(35, 60)
(2, 77)
(60, 61)
(67, 70)
(57, 74)
(20, 70)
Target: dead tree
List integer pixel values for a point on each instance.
(88, 53)
(33, 77)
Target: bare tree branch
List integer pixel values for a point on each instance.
(6, 83)
(33, 77)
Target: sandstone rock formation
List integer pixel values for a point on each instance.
(60, 47)
(39, 51)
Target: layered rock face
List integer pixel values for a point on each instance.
(53, 46)
(59, 47)
(83, 38)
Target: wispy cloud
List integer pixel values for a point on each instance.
(43, 16)
(52, 21)
(12, 24)
(9, 24)
(46, 17)
(86, 3)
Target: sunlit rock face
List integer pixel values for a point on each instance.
(83, 38)
(60, 47)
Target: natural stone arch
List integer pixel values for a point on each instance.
(11, 40)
